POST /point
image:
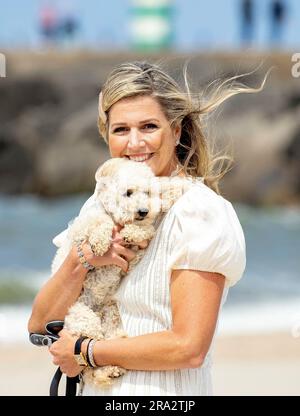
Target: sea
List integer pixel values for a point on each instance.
(266, 299)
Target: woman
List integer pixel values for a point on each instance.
(170, 303)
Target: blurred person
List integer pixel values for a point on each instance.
(48, 21)
(278, 12)
(247, 22)
(69, 23)
(171, 301)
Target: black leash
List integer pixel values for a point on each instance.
(71, 384)
(40, 340)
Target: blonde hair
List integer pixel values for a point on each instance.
(194, 152)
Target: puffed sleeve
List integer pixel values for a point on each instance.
(60, 238)
(207, 235)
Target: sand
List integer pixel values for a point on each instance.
(243, 365)
(260, 365)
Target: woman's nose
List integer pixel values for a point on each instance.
(135, 139)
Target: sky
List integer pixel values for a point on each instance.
(199, 24)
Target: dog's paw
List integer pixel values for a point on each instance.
(100, 237)
(81, 320)
(116, 372)
(135, 234)
(103, 377)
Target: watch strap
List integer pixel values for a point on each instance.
(77, 347)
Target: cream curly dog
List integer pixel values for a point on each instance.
(127, 193)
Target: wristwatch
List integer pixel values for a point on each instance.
(78, 354)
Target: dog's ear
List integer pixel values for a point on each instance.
(105, 174)
(171, 189)
(104, 183)
(109, 168)
(98, 174)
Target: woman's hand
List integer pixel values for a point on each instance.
(62, 351)
(117, 253)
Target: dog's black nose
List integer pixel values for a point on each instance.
(143, 212)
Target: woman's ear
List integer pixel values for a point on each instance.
(177, 131)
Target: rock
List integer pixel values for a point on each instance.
(262, 173)
(50, 145)
(16, 165)
(17, 95)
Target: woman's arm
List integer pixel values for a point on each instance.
(195, 298)
(58, 294)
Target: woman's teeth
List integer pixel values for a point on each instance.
(140, 158)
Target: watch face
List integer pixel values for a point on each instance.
(80, 360)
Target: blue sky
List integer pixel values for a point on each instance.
(104, 24)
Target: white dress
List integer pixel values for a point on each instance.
(200, 232)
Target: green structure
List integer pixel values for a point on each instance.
(151, 24)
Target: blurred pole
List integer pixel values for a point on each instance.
(2, 66)
(69, 23)
(247, 22)
(151, 24)
(278, 11)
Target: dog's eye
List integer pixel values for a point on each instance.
(129, 192)
(147, 193)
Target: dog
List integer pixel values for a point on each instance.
(129, 194)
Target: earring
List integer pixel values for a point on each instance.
(177, 142)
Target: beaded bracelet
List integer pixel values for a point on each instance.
(90, 352)
(82, 259)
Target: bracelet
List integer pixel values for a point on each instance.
(82, 259)
(90, 353)
(87, 354)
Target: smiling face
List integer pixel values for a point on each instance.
(139, 130)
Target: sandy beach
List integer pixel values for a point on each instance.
(243, 365)
(257, 365)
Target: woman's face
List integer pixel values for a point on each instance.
(139, 130)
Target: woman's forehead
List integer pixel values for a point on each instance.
(142, 108)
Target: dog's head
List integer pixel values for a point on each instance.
(130, 192)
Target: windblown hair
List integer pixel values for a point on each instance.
(194, 151)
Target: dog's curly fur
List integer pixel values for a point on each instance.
(127, 193)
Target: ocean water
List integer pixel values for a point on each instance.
(267, 298)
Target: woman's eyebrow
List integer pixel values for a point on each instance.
(149, 119)
(140, 122)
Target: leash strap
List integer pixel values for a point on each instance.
(55, 382)
(52, 329)
(71, 384)
(71, 387)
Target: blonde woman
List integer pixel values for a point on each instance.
(170, 303)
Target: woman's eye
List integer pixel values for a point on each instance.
(150, 126)
(119, 129)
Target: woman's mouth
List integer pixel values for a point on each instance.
(140, 158)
